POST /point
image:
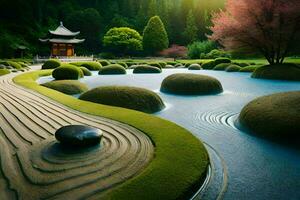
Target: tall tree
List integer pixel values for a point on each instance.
(152, 8)
(270, 27)
(191, 30)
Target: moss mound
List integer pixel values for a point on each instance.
(67, 72)
(278, 72)
(209, 65)
(222, 60)
(15, 65)
(145, 69)
(104, 62)
(112, 69)
(274, 116)
(127, 97)
(233, 68)
(4, 72)
(191, 84)
(222, 66)
(93, 66)
(86, 71)
(51, 64)
(158, 65)
(242, 64)
(123, 64)
(70, 87)
(251, 68)
(195, 67)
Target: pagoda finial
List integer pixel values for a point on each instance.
(61, 23)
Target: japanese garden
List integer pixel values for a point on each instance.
(150, 99)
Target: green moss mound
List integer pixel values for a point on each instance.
(233, 68)
(195, 67)
(4, 72)
(70, 87)
(242, 64)
(222, 60)
(67, 72)
(145, 69)
(127, 97)
(123, 64)
(93, 66)
(274, 116)
(104, 62)
(278, 72)
(209, 65)
(222, 66)
(15, 65)
(191, 84)
(251, 68)
(86, 71)
(169, 67)
(112, 69)
(155, 65)
(51, 64)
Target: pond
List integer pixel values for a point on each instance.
(244, 166)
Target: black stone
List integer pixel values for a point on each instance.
(79, 136)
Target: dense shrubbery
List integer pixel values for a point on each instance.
(222, 66)
(112, 69)
(70, 87)
(4, 72)
(275, 116)
(209, 65)
(197, 48)
(222, 60)
(67, 72)
(127, 97)
(216, 53)
(278, 71)
(191, 84)
(233, 68)
(145, 69)
(51, 64)
(242, 64)
(194, 67)
(85, 71)
(123, 41)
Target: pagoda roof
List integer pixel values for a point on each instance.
(63, 31)
(64, 41)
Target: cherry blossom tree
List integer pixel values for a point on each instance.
(270, 27)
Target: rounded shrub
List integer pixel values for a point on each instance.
(209, 65)
(154, 64)
(70, 87)
(51, 64)
(242, 64)
(274, 116)
(112, 69)
(15, 65)
(169, 67)
(233, 68)
(173, 63)
(251, 68)
(278, 72)
(123, 64)
(162, 64)
(145, 69)
(222, 66)
(191, 84)
(194, 67)
(4, 72)
(127, 97)
(93, 66)
(67, 72)
(179, 65)
(86, 71)
(104, 62)
(222, 60)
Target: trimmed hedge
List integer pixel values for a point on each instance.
(67, 72)
(127, 97)
(194, 67)
(145, 69)
(191, 84)
(209, 65)
(112, 69)
(222, 60)
(86, 71)
(51, 64)
(70, 87)
(274, 116)
(233, 68)
(4, 72)
(278, 72)
(222, 66)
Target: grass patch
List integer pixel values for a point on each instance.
(70, 87)
(180, 161)
(4, 72)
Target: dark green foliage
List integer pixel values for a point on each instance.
(195, 67)
(155, 37)
(222, 60)
(104, 62)
(251, 68)
(209, 65)
(191, 84)
(93, 66)
(278, 71)
(172, 63)
(123, 41)
(51, 64)
(215, 53)
(233, 68)
(191, 30)
(86, 71)
(123, 64)
(162, 64)
(242, 64)
(222, 66)
(127, 97)
(155, 65)
(274, 116)
(4, 72)
(70, 87)
(112, 69)
(196, 48)
(145, 69)
(67, 72)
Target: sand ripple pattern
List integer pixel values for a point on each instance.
(34, 167)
